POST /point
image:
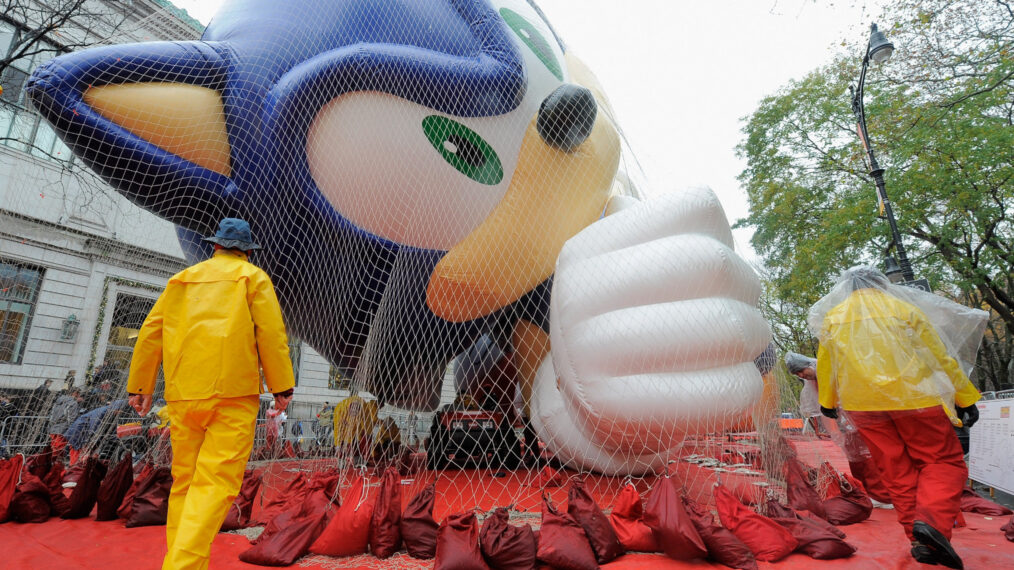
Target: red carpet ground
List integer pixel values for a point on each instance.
(110, 546)
(882, 545)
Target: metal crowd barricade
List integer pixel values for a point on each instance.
(23, 434)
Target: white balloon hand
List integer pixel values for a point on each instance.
(654, 325)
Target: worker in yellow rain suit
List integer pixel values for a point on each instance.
(354, 420)
(214, 328)
(883, 361)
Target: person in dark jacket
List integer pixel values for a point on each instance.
(65, 410)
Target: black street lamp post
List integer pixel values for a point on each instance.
(879, 50)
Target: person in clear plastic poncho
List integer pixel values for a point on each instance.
(842, 431)
(805, 368)
(897, 359)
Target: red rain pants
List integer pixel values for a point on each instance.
(920, 462)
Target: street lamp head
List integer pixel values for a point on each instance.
(880, 49)
(893, 270)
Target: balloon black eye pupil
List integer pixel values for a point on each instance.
(466, 150)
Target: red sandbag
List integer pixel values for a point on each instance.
(326, 481)
(633, 534)
(458, 544)
(385, 526)
(113, 488)
(348, 532)
(668, 519)
(798, 490)
(150, 506)
(768, 540)
(418, 527)
(58, 502)
(127, 505)
(814, 541)
(74, 472)
(562, 542)
(84, 495)
(291, 534)
(30, 503)
(826, 480)
(587, 513)
(293, 494)
(10, 470)
(39, 464)
(723, 546)
(1008, 529)
(972, 502)
(851, 506)
(775, 509)
(505, 546)
(239, 513)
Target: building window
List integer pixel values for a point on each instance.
(20, 127)
(19, 291)
(339, 379)
(128, 316)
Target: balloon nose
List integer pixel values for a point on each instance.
(567, 116)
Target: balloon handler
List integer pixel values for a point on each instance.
(214, 328)
(841, 430)
(897, 374)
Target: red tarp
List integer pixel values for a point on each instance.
(109, 546)
(85, 543)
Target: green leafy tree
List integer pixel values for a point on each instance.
(940, 117)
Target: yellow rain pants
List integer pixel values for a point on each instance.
(211, 440)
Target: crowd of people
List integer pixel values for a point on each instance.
(68, 419)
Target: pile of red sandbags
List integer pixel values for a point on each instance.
(288, 535)
(31, 490)
(768, 540)
(827, 493)
(816, 537)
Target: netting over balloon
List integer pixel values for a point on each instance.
(440, 192)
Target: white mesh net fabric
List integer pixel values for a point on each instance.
(430, 183)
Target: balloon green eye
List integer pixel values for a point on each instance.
(463, 149)
(534, 39)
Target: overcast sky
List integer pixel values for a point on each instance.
(683, 74)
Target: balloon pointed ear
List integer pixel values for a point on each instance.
(186, 120)
(149, 118)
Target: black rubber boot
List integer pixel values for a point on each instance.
(940, 546)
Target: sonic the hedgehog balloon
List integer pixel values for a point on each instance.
(413, 169)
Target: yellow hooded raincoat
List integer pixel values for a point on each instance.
(880, 353)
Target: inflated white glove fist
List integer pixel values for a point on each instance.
(654, 328)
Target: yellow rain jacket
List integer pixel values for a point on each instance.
(354, 419)
(880, 353)
(206, 328)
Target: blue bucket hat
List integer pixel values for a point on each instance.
(233, 233)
